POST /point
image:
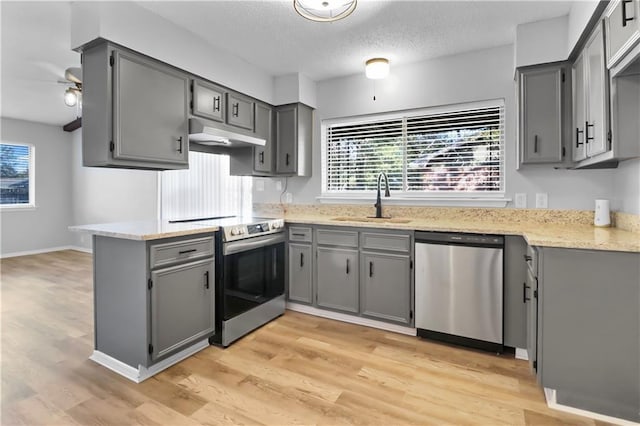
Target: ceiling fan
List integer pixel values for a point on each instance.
(73, 95)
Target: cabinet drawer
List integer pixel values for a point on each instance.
(392, 242)
(178, 251)
(532, 260)
(337, 238)
(300, 233)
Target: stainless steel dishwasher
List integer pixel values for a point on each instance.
(459, 288)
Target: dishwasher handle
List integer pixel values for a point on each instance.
(472, 240)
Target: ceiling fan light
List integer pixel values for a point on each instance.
(324, 10)
(70, 97)
(377, 68)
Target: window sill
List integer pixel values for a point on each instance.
(422, 201)
(18, 208)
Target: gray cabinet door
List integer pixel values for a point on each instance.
(300, 273)
(240, 111)
(515, 276)
(531, 297)
(263, 156)
(182, 306)
(386, 287)
(622, 23)
(337, 279)
(208, 101)
(540, 103)
(287, 137)
(597, 112)
(578, 147)
(150, 107)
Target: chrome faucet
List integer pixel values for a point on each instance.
(378, 204)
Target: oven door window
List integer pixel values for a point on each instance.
(252, 277)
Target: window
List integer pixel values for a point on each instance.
(457, 151)
(206, 189)
(17, 175)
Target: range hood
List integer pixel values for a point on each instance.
(209, 133)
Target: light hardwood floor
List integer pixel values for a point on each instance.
(298, 369)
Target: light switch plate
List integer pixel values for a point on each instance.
(541, 200)
(521, 200)
(278, 185)
(288, 198)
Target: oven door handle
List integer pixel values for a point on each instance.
(251, 243)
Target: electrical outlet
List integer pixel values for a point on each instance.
(278, 185)
(288, 198)
(259, 185)
(541, 200)
(521, 200)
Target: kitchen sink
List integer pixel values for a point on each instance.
(372, 219)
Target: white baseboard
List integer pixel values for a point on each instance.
(44, 250)
(550, 396)
(522, 354)
(142, 373)
(305, 309)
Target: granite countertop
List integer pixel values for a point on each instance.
(572, 235)
(145, 230)
(579, 236)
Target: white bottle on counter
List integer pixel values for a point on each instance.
(602, 215)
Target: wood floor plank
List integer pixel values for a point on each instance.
(298, 369)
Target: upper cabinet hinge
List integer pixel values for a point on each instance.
(411, 314)
(149, 283)
(191, 105)
(111, 146)
(563, 77)
(411, 264)
(112, 60)
(564, 151)
(609, 139)
(150, 348)
(535, 293)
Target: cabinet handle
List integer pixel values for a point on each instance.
(535, 143)
(261, 157)
(179, 140)
(298, 235)
(286, 160)
(216, 103)
(586, 131)
(236, 108)
(527, 258)
(370, 269)
(524, 292)
(301, 260)
(206, 280)
(578, 132)
(347, 266)
(187, 251)
(624, 13)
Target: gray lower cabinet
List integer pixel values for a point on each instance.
(590, 329)
(531, 301)
(385, 286)
(337, 279)
(182, 309)
(515, 312)
(152, 298)
(300, 273)
(134, 110)
(543, 102)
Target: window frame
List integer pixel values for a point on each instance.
(32, 179)
(444, 198)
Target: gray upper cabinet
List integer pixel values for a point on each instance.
(578, 148)
(622, 24)
(337, 279)
(263, 156)
(386, 286)
(597, 95)
(182, 308)
(541, 103)
(240, 111)
(208, 100)
(294, 125)
(134, 111)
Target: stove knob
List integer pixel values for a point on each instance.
(235, 231)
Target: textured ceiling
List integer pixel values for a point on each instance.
(36, 39)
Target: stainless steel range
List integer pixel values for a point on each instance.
(250, 266)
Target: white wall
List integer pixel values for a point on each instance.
(627, 186)
(579, 16)
(474, 76)
(102, 195)
(45, 226)
(541, 41)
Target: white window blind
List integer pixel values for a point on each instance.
(206, 189)
(457, 150)
(17, 175)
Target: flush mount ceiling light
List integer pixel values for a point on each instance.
(324, 10)
(377, 68)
